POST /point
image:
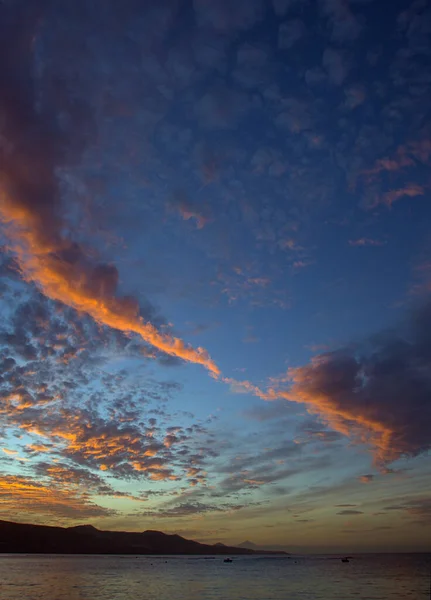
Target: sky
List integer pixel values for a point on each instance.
(216, 269)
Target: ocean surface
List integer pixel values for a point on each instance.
(365, 577)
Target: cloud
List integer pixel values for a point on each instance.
(220, 107)
(278, 464)
(225, 17)
(344, 25)
(417, 508)
(72, 478)
(28, 496)
(355, 96)
(55, 399)
(282, 7)
(252, 69)
(322, 435)
(366, 242)
(335, 64)
(350, 512)
(375, 392)
(239, 285)
(410, 191)
(189, 210)
(289, 33)
(405, 156)
(188, 509)
(30, 200)
(278, 409)
(9, 452)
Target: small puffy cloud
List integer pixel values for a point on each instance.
(315, 76)
(289, 33)
(227, 17)
(189, 211)
(410, 191)
(220, 107)
(282, 7)
(355, 96)
(9, 452)
(335, 65)
(343, 23)
(252, 69)
(366, 242)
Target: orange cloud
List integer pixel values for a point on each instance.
(188, 213)
(246, 387)
(375, 393)
(25, 496)
(39, 448)
(163, 475)
(404, 157)
(360, 398)
(59, 268)
(410, 191)
(104, 446)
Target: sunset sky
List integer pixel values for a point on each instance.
(216, 269)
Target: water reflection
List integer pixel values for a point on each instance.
(365, 577)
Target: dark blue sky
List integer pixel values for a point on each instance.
(216, 267)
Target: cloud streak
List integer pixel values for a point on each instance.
(376, 392)
(30, 205)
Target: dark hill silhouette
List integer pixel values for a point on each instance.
(86, 539)
(248, 544)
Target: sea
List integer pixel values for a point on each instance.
(364, 577)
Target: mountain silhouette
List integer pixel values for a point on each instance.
(86, 539)
(247, 544)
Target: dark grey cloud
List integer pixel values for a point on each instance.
(73, 477)
(189, 509)
(377, 390)
(418, 509)
(349, 513)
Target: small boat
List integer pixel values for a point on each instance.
(344, 560)
(228, 560)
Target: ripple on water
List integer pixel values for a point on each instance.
(383, 577)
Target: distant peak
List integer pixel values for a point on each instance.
(83, 528)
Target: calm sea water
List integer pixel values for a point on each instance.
(366, 577)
